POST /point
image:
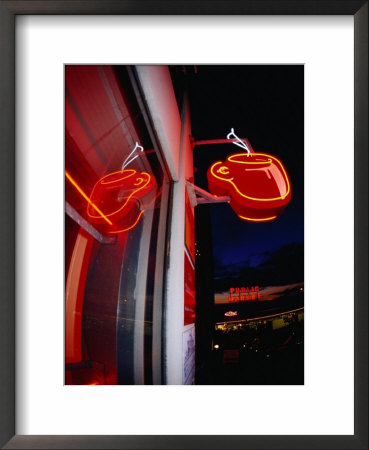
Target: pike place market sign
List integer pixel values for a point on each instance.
(244, 294)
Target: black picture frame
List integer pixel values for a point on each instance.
(8, 11)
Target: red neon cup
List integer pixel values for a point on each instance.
(257, 183)
(118, 200)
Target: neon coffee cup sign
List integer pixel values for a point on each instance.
(119, 199)
(257, 183)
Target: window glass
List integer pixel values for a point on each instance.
(116, 196)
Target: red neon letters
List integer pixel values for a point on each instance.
(257, 183)
(244, 294)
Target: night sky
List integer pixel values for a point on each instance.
(266, 105)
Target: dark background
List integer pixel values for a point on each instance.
(266, 105)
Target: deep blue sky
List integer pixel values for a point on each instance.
(266, 105)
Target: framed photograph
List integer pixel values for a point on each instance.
(105, 165)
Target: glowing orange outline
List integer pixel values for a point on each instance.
(246, 196)
(230, 158)
(129, 197)
(231, 313)
(221, 170)
(79, 189)
(130, 227)
(257, 220)
(119, 179)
